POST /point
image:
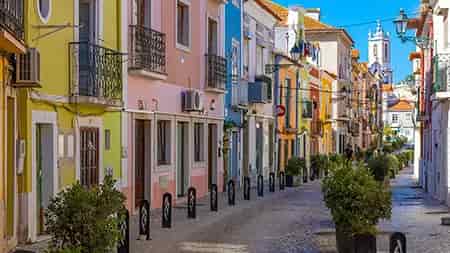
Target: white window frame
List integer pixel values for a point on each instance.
(42, 18)
(397, 118)
(178, 45)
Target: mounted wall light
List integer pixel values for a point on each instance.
(401, 27)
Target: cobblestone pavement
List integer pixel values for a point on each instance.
(294, 220)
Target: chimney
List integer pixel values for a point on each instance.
(313, 13)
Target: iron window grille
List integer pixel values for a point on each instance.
(147, 49)
(216, 71)
(96, 71)
(11, 17)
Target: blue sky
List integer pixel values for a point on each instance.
(348, 12)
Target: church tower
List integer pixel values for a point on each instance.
(380, 52)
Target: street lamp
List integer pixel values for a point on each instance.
(296, 52)
(401, 26)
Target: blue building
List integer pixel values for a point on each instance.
(236, 91)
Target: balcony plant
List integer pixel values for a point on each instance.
(357, 203)
(86, 220)
(294, 170)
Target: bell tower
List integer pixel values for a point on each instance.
(380, 51)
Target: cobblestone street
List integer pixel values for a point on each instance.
(295, 220)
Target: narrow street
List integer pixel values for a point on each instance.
(295, 220)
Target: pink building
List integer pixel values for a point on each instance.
(174, 99)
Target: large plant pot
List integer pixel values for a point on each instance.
(289, 181)
(297, 180)
(346, 243)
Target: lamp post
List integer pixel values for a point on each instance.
(295, 54)
(401, 27)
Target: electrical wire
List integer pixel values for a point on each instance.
(374, 21)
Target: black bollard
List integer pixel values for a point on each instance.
(167, 210)
(282, 181)
(231, 193)
(272, 182)
(124, 227)
(144, 220)
(260, 186)
(213, 198)
(397, 243)
(192, 203)
(246, 188)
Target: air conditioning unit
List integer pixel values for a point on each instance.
(28, 69)
(191, 101)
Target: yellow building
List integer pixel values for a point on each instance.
(11, 43)
(327, 80)
(68, 112)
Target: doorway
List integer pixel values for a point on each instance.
(142, 156)
(87, 59)
(235, 175)
(10, 173)
(44, 173)
(259, 148)
(182, 158)
(212, 155)
(89, 156)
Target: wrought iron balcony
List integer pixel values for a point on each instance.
(96, 74)
(441, 73)
(147, 50)
(261, 90)
(239, 94)
(216, 73)
(11, 17)
(354, 129)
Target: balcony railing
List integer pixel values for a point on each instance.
(11, 17)
(147, 50)
(96, 71)
(354, 129)
(216, 72)
(441, 73)
(261, 90)
(239, 94)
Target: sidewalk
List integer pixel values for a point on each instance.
(413, 213)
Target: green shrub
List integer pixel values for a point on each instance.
(379, 167)
(82, 220)
(356, 200)
(295, 166)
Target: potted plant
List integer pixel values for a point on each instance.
(379, 167)
(294, 169)
(357, 202)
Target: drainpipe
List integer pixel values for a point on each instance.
(297, 125)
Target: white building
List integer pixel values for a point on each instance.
(400, 116)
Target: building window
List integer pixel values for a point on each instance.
(246, 56)
(212, 37)
(235, 60)
(183, 23)
(394, 118)
(259, 60)
(143, 13)
(375, 50)
(287, 86)
(107, 139)
(163, 142)
(44, 9)
(199, 142)
(386, 52)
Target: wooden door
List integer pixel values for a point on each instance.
(89, 156)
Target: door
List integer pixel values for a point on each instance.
(182, 159)
(212, 155)
(44, 172)
(143, 13)
(87, 36)
(212, 37)
(89, 156)
(259, 148)
(11, 172)
(235, 175)
(142, 163)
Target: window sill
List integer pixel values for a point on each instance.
(186, 49)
